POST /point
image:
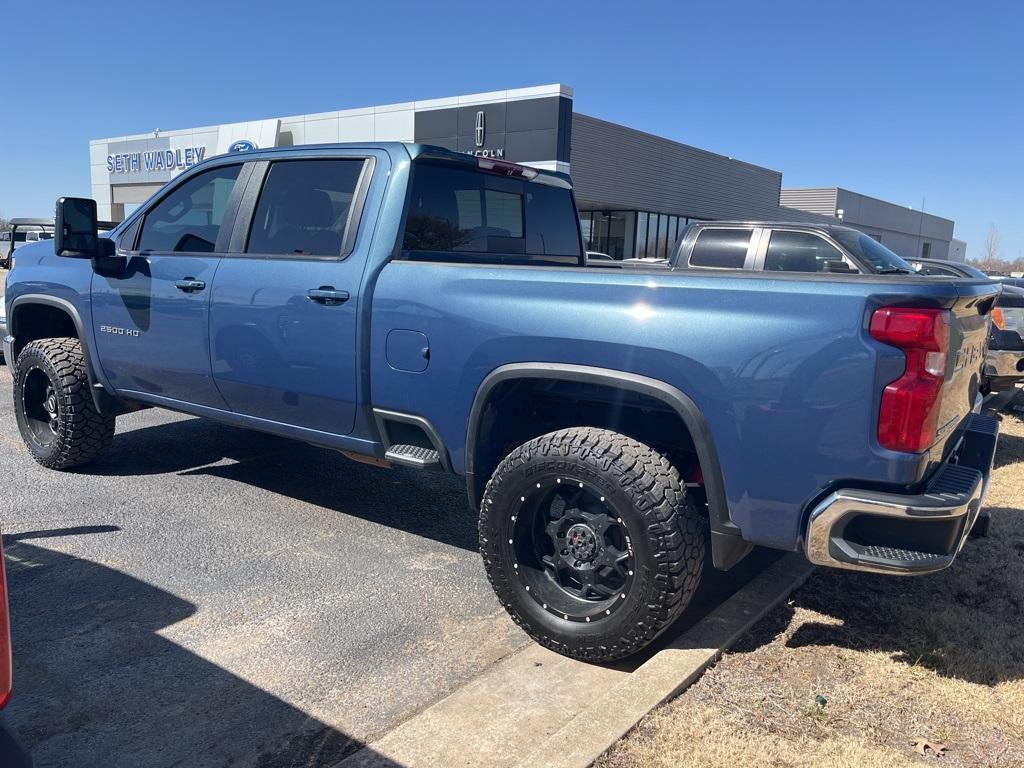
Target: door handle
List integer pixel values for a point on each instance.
(327, 296)
(189, 285)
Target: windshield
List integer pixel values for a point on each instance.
(872, 252)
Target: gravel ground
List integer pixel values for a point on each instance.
(895, 661)
(210, 596)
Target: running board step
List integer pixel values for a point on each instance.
(414, 456)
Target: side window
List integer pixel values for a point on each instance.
(798, 252)
(471, 216)
(304, 207)
(127, 240)
(932, 270)
(188, 220)
(721, 248)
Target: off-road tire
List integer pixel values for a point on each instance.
(667, 530)
(81, 433)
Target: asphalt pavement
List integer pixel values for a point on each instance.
(208, 596)
(211, 596)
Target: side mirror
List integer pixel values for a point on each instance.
(839, 267)
(76, 233)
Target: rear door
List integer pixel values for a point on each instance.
(285, 308)
(151, 314)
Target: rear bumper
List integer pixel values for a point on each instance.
(898, 533)
(1004, 368)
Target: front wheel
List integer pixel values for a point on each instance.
(55, 412)
(590, 542)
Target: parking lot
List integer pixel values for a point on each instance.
(213, 596)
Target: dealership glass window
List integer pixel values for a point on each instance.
(613, 233)
(798, 252)
(926, 250)
(479, 217)
(585, 222)
(721, 248)
(641, 233)
(188, 219)
(638, 234)
(304, 206)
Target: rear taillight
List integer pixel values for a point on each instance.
(909, 413)
(5, 637)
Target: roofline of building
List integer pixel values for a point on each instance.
(489, 97)
(679, 143)
(869, 197)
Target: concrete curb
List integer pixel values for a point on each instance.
(671, 671)
(526, 710)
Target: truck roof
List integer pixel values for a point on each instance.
(414, 151)
(825, 226)
(31, 222)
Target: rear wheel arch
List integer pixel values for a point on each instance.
(727, 545)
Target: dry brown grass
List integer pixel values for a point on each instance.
(938, 657)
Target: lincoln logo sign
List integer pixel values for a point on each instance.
(481, 128)
(157, 160)
(480, 135)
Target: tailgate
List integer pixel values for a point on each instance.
(968, 339)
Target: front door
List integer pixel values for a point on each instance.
(151, 313)
(285, 308)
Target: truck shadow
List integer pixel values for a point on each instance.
(963, 623)
(428, 504)
(96, 685)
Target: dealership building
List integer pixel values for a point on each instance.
(635, 191)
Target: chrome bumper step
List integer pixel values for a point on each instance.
(951, 499)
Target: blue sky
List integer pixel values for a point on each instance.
(902, 101)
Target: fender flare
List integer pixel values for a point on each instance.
(101, 398)
(727, 545)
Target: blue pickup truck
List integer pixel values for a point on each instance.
(411, 306)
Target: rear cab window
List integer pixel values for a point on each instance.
(721, 247)
(458, 214)
(305, 208)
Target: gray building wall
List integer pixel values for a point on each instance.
(899, 228)
(615, 167)
(957, 250)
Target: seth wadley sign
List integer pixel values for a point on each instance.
(157, 160)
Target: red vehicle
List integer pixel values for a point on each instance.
(12, 753)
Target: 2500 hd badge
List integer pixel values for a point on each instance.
(118, 331)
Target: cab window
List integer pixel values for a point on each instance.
(933, 269)
(721, 248)
(461, 215)
(799, 252)
(304, 207)
(188, 219)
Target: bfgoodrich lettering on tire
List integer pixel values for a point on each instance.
(590, 542)
(54, 408)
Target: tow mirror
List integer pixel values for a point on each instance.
(76, 233)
